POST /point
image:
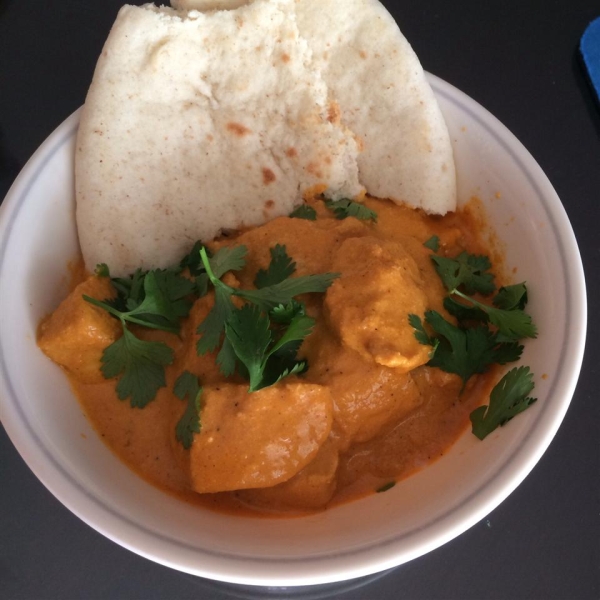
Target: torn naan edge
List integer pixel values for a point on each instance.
(198, 122)
(377, 80)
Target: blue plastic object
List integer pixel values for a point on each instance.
(590, 52)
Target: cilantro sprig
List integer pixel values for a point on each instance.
(433, 243)
(349, 208)
(160, 298)
(509, 397)
(512, 324)
(460, 350)
(471, 346)
(304, 211)
(266, 360)
(261, 337)
(280, 268)
(467, 270)
(279, 292)
(140, 366)
(156, 299)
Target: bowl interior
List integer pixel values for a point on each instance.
(48, 428)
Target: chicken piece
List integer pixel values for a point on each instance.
(77, 332)
(368, 306)
(260, 439)
(312, 488)
(366, 396)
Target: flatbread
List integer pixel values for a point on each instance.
(198, 122)
(378, 82)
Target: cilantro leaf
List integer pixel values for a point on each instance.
(284, 313)
(511, 297)
(130, 291)
(228, 259)
(282, 358)
(248, 331)
(508, 398)
(506, 352)
(512, 324)
(466, 270)
(139, 364)
(420, 333)
(188, 385)
(304, 212)
(299, 327)
(165, 299)
(192, 261)
(214, 324)
(201, 282)
(464, 352)
(385, 487)
(280, 268)
(226, 358)
(433, 243)
(349, 208)
(102, 270)
(462, 312)
(156, 299)
(284, 291)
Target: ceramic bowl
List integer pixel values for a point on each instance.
(43, 419)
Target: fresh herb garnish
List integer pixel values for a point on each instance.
(349, 208)
(511, 297)
(188, 385)
(509, 397)
(472, 346)
(422, 336)
(464, 352)
(246, 332)
(140, 365)
(102, 270)
(466, 270)
(512, 324)
(284, 313)
(385, 487)
(225, 259)
(304, 211)
(462, 312)
(249, 333)
(155, 299)
(280, 268)
(433, 243)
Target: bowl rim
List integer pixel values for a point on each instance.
(508, 476)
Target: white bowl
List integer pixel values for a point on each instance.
(44, 421)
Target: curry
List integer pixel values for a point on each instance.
(368, 411)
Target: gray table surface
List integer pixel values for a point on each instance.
(520, 61)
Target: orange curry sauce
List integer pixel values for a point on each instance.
(366, 413)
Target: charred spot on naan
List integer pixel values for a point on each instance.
(238, 129)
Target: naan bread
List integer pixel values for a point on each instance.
(376, 79)
(197, 122)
